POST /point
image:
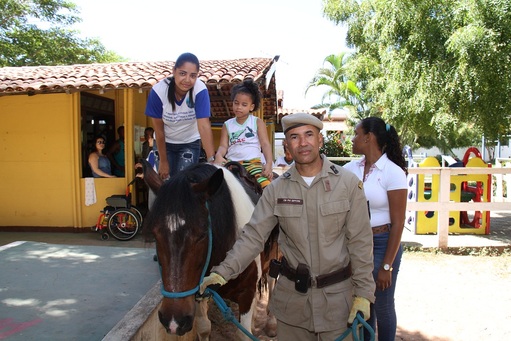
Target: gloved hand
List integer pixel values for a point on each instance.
(360, 304)
(212, 279)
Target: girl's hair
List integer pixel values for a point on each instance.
(249, 87)
(387, 139)
(186, 57)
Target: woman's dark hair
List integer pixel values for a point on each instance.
(249, 87)
(387, 139)
(186, 57)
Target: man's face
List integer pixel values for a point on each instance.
(303, 143)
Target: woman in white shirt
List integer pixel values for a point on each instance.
(383, 171)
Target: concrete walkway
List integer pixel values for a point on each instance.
(67, 291)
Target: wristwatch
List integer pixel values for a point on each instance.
(211, 159)
(386, 267)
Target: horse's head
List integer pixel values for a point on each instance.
(180, 220)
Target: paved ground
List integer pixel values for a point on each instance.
(59, 287)
(62, 286)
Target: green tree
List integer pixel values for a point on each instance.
(336, 145)
(341, 91)
(25, 42)
(443, 67)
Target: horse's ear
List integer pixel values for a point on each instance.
(215, 181)
(151, 178)
(211, 185)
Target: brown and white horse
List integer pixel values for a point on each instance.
(199, 204)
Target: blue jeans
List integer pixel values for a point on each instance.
(383, 311)
(182, 155)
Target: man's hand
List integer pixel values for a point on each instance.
(362, 305)
(212, 279)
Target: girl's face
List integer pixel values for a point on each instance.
(359, 140)
(185, 77)
(100, 144)
(242, 105)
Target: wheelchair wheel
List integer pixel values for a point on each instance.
(123, 224)
(137, 212)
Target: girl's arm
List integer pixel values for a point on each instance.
(264, 141)
(159, 130)
(222, 148)
(206, 136)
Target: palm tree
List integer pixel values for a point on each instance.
(342, 91)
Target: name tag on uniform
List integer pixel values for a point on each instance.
(289, 201)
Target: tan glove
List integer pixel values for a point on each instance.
(212, 279)
(362, 305)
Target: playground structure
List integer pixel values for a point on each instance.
(463, 188)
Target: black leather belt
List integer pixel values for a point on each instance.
(320, 281)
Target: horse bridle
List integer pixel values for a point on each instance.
(181, 294)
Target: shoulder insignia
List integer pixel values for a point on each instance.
(360, 184)
(286, 175)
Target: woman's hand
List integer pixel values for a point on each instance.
(384, 280)
(163, 170)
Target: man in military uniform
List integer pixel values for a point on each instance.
(325, 275)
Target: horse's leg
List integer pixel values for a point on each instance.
(202, 322)
(247, 321)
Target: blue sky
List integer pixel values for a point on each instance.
(159, 30)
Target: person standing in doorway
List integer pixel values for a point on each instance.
(383, 171)
(147, 145)
(244, 136)
(324, 277)
(116, 154)
(98, 162)
(179, 108)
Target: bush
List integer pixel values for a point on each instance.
(336, 145)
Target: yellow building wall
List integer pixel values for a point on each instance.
(40, 158)
(36, 160)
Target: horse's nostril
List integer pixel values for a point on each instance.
(185, 325)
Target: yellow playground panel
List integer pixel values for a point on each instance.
(464, 188)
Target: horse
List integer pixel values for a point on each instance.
(199, 203)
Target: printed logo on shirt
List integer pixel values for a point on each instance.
(289, 201)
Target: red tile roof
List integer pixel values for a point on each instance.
(219, 76)
(47, 79)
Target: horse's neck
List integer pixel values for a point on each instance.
(242, 203)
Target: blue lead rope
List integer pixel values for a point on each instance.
(229, 316)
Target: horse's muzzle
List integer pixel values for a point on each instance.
(179, 327)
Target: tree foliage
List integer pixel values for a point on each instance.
(24, 40)
(341, 90)
(441, 68)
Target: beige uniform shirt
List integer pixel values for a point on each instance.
(324, 226)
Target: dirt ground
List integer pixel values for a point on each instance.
(439, 297)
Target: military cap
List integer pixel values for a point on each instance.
(300, 119)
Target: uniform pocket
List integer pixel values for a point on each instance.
(338, 298)
(334, 216)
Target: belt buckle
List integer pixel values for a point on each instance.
(313, 282)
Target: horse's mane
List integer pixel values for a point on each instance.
(227, 208)
(242, 202)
